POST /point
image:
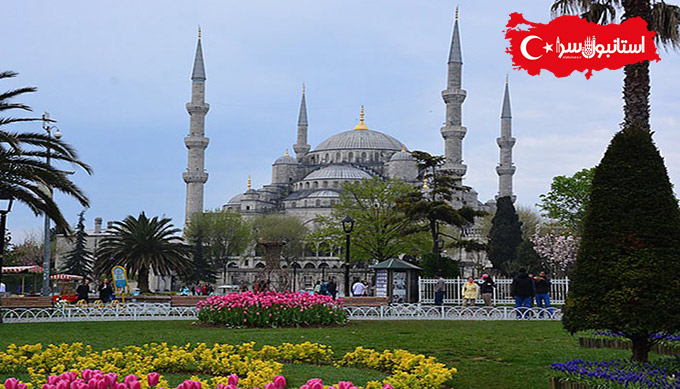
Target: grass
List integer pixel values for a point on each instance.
(487, 354)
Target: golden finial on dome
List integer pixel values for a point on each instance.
(286, 152)
(199, 32)
(403, 148)
(249, 183)
(425, 186)
(361, 125)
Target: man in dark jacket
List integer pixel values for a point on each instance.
(522, 289)
(543, 292)
(83, 291)
(332, 288)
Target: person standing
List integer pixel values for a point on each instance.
(543, 292)
(83, 291)
(523, 290)
(470, 292)
(358, 289)
(317, 287)
(486, 287)
(105, 291)
(332, 288)
(3, 288)
(439, 290)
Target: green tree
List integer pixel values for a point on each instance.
(567, 199)
(505, 235)
(525, 258)
(444, 266)
(142, 245)
(79, 260)
(223, 234)
(431, 206)
(626, 274)
(282, 236)
(661, 18)
(381, 230)
(24, 171)
(202, 267)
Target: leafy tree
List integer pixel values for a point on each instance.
(142, 245)
(444, 266)
(432, 207)
(567, 199)
(381, 230)
(27, 253)
(505, 235)
(23, 167)
(202, 268)
(557, 251)
(282, 231)
(626, 273)
(224, 234)
(530, 219)
(661, 18)
(525, 258)
(79, 260)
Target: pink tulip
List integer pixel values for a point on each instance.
(11, 383)
(21, 386)
(110, 379)
(152, 378)
(135, 385)
(61, 384)
(130, 378)
(345, 385)
(232, 380)
(387, 386)
(52, 380)
(280, 382)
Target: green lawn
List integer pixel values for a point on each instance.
(512, 354)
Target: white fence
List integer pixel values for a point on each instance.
(501, 293)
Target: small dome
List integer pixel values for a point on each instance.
(324, 194)
(285, 160)
(236, 199)
(360, 139)
(341, 172)
(402, 155)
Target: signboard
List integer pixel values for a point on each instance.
(119, 276)
(381, 283)
(398, 286)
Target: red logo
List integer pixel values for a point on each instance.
(569, 44)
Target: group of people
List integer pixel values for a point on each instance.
(105, 289)
(326, 288)
(525, 288)
(197, 290)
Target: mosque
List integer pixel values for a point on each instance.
(308, 184)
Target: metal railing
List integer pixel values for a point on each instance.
(501, 293)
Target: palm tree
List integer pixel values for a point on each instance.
(142, 244)
(24, 172)
(661, 18)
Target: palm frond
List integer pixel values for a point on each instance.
(665, 21)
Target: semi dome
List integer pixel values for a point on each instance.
(285, 160)
(236, 199)
(360, 139)
(338, 172)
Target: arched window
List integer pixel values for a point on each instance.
(325, 158)
(306, 185)
(335, 184)
(260, 265)
(350, 157)
(363, 157)
(232, 265)
(337, 157)
(305, 203)
(309, 265)
(318, 203)
(316, 184)
(247, 207)
(377, 157)
(295, 265)
(294, 204)
(325, 184)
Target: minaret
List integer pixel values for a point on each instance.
(195, 176)
(505, 168)
(302, 147)
(453, 131)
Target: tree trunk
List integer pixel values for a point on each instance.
(636, 84)
(435, 236)
(641, 346)
(143, 280)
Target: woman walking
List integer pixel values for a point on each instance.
(486, 287)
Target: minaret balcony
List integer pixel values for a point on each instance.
(458, 169)
(505, 170)
(198, 108)
(196, 142)
(454, 96)
(453, 132)
(189, 177)
(506, 143)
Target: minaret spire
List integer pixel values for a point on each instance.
(195, 176)
(301, 148)
(453, 131)
(506, 168)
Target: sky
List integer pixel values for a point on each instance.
(116, 77)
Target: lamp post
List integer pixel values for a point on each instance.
(347, 226)
(46, 244)
(5, 206)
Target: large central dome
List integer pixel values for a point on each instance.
(360, 139)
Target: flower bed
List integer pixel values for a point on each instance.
(255, 367)
(664, 344)
(614, 374)
(271, 309)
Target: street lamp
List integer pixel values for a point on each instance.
(5, 207)
(46, 244)
(347, 226)
(440, 246)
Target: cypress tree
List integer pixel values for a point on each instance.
(505, 235)
(78, 261)
(527, 258)
(626, 273)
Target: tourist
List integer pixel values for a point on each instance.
(358, 289)
(105, 291)
(523, 290)
(486, 287)
(317, 288)
(439, 290)
(3, 288)
(543, 292)
(332, 288)
(470, 292)
(83, 291)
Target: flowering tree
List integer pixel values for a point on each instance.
(557, 251)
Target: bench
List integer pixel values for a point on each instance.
(366, 301)
(186, 301)
(26, 302)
